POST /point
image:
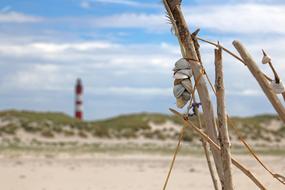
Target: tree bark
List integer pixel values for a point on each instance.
(222, 122)
(260, 79)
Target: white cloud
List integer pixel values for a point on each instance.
(247, 92)
(237, 1)
(106, 54)
(81, 46)
(47, 63)
(236, 18)
(15, 17)
(52, 66)
(86, 4)
(131, 91)
(89, 3)
(228, 18)
(130, 20)
(37, 77)
(51, 50)
(248, 18)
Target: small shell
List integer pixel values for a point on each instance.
(180, 102)
(186, 96)
(266, 59)
(187, 85)
(180, 76)
(187, 72)
(278, 88)
(182, 64)
(178, 90)
(177, 81)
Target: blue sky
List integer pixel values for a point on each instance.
(124, 52)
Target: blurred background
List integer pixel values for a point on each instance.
(123, 52)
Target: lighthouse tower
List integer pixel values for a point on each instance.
(78, 100)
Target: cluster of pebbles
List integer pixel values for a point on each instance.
(182, 84)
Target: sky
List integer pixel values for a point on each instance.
(124, 52)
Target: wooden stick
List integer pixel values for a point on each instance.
(225, 49)
(184, 36)
(222, 122)
(204, 144)
(248, 173)
(276, 76)
(260, 79)
(209, 163)
(206, 150)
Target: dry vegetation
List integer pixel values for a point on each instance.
(35, 130)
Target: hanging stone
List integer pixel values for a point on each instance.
(181, 64)
(278, 88)
(178, 90)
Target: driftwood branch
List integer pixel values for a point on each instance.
(276, 76)
(232, 54)
(204, 144)
(206, 150)
(185, 38)
(222, 121)
(247, 172)
(260, 79)
(223, 48)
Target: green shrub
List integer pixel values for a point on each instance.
(9, 129)
(101, 132)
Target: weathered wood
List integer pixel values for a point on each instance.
(204, 143)
(222, 121)
(215, 146)
(209, 163)
(206, 150)
(184, 36)
(252, 66)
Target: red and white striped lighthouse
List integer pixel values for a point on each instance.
(78, 100)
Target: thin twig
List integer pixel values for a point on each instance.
(174, 158)
(248, 173)
(279, 177)
(223, 48)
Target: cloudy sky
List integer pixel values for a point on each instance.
(124, 52)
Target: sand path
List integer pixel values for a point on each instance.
(121, 173)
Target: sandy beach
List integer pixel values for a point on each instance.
(126, 172)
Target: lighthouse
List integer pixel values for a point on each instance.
(78, 99)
